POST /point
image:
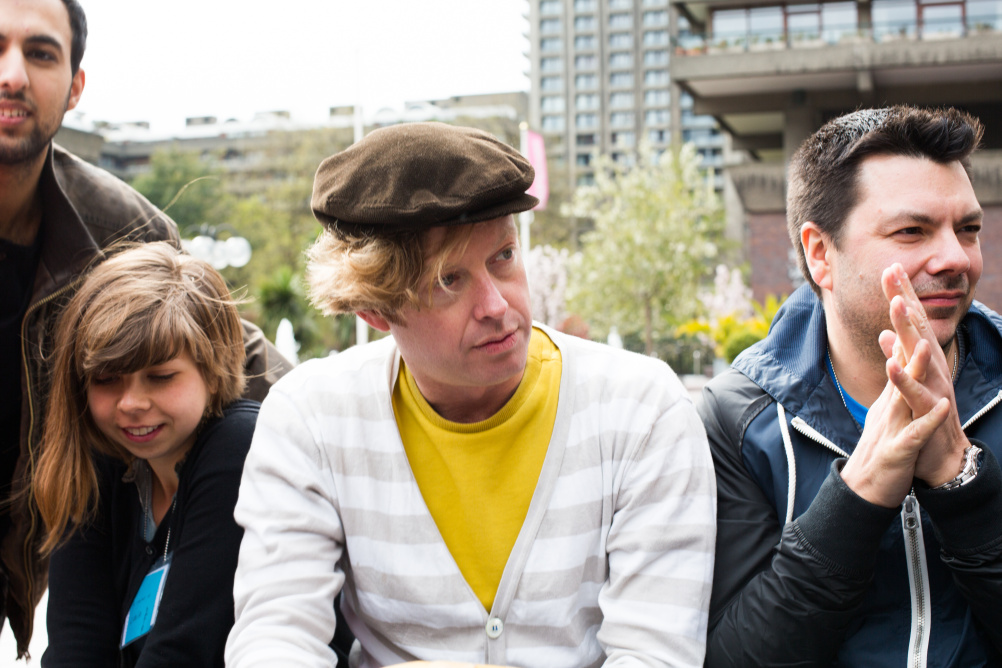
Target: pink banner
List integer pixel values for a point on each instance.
(536, 153)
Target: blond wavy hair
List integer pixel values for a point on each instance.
(141, 307)
(348, 273)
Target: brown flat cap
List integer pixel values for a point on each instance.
(414, 176)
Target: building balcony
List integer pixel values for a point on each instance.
(752, 82)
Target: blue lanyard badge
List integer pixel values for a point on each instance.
(143, 611)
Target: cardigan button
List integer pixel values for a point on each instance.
(149, 549)
(494, 627)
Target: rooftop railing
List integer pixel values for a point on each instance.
(832, 35)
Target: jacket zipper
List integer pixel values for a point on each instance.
(809, 431)
(918, 581)
(987, 407)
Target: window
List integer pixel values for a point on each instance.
(657, 117)
(547, 26)
(549, 6)
(552, 103)
(551, 84)
(657, 98)
(839, 18)
(586, 81)
(621, 59)
(893, 18)
(655, 58)
(587, 62)
(696, 136)
(620, 4)
(585, 180)
(621, 79)
(803, 22)
(766, 23)
(657, 136)
(656, 78)
(620, 21)
(585, 23)
(586, 120)
(658, 18)
(585, 42)
(625, 159)
(586, 140)
(583, 159)
(550, 64)
(729, 25)
(944, 19)
(654, 3)
(586, 101)
(711, 157)
(553, 123)
(621, 40)
(656, 38)
(624, 139)
(585, 5)
(621, 100)
(551, 44)
(621, 119)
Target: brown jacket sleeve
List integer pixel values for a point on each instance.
(264, 364)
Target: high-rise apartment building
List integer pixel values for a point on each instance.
(599, 82)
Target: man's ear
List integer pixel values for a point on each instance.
(817, 250)
(374, 320)
(76, 89)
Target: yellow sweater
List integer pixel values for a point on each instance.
(478, 479)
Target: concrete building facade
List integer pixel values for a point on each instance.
(772, 72)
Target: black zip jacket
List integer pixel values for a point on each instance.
(809, 574)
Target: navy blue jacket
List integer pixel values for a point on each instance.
(810, 574)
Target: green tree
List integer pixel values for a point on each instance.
(186, 188)
(658, 226)
(273, 213)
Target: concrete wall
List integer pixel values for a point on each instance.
(769, 255)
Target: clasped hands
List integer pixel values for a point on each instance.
(913, 429)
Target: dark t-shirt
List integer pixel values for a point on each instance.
(17, 276)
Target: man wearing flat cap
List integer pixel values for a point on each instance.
(478, 487)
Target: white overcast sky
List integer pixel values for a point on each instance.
(164, 60)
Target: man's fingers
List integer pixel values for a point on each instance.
(921, 429)
(887, 339)
(908, 326)
(909, 381)
(918, 363)
(895, 281)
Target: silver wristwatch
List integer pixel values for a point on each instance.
(972, 458)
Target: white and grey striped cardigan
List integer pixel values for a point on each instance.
(613, 564)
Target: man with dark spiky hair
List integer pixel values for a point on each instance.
(57, 215)
(874, 396)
